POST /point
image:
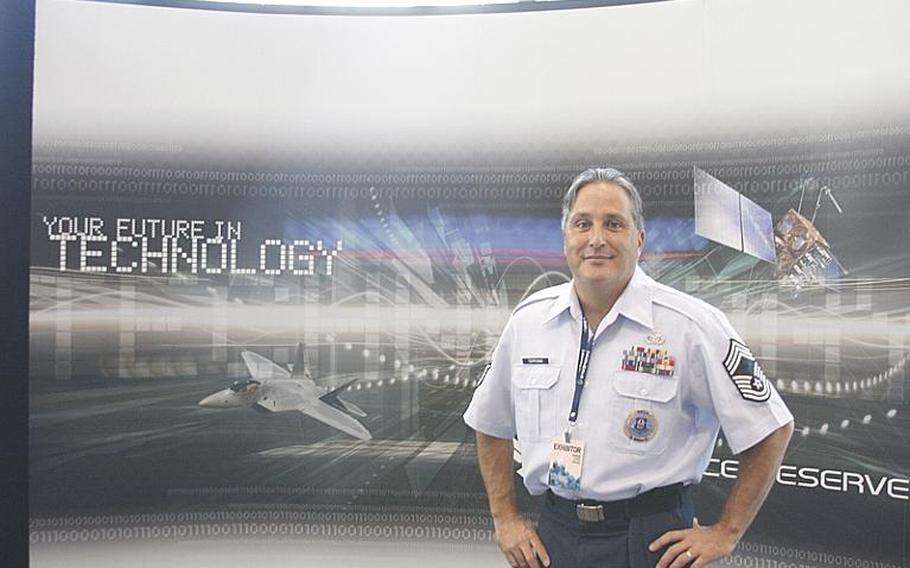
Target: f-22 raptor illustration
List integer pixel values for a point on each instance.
(276, 389)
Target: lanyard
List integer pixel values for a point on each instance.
(581, 372)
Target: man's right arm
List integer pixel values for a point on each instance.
(516, 536)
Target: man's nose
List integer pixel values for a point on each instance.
(598, 237)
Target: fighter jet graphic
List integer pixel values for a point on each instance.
(276, 389)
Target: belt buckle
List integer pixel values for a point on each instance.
(589, 513)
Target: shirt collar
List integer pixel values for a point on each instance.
(634, 303)
(567, 300)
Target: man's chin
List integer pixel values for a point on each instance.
(596, 276)
(600, 277)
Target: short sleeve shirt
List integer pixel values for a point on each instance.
(666, 372)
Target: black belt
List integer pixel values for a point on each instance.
(657, 500)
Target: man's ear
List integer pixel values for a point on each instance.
(641, 242)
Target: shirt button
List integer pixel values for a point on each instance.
(643, 392)
(533, 381)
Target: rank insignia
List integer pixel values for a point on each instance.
(649, 360)
(746, 373)
(640, 425)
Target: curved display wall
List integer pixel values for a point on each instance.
(223, 200)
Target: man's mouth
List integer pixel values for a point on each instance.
(599, 257)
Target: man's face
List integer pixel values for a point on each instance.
(601, 241)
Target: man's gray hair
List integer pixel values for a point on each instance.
(603, 175)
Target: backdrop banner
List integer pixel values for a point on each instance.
(232, 345)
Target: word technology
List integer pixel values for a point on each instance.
(169, 246)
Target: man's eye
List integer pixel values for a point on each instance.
(582, 224)
(615, 225)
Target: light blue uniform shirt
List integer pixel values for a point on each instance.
(527, 391)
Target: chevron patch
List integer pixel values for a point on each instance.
(746, 373)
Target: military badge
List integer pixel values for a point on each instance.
(649, 360)
(746, 373)
(640, 425)
(655, 339)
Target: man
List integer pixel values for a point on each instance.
(615, 387)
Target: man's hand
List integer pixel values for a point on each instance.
(700, 546)
(516, 537)
(520, 543)
(695, 547)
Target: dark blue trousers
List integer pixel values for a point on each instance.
(612, 543)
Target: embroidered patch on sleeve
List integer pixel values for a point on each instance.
(746, 373)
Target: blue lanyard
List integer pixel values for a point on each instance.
(581, 372)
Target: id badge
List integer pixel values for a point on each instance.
(565, 464)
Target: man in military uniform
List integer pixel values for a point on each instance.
(614, 388)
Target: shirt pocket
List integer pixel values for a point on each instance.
(642, 412)
(535, 401)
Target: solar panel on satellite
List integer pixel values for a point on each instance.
(717, 211)
(726, 217)
(758, 230)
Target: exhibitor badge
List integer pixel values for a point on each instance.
(565, 465)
